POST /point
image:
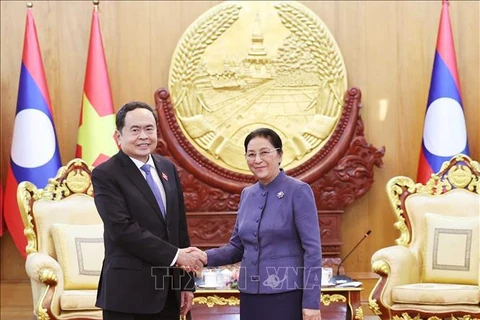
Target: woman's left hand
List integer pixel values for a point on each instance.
(311, 314)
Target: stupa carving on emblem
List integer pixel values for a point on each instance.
(244, 65)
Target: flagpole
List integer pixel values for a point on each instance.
(95, 4)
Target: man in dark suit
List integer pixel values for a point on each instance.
(139, 198)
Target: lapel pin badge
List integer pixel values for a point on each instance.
(280, 195)
(164, 176)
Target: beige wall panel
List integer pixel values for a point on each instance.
(388, 48)
(467, 44)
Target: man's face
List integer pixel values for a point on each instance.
(138, 137)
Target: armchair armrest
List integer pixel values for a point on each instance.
(46, 277)
(396, 265)
(404, 266)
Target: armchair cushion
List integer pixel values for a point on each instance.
(451, 252)
(436, 294)
(80, 253)
(73, 300)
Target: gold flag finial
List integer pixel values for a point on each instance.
(95, 4)
(29, 5)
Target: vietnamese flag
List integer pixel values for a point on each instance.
(34, 155)
(445, 132)
(96, 142)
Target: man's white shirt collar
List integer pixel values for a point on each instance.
(139, 163)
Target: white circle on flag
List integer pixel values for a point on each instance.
(33, 143)
(445, 133)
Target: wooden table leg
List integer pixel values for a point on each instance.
(354, 306)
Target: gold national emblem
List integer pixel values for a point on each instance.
(244, 65)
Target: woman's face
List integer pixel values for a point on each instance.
(263, 159)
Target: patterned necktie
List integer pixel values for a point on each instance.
(154, 187)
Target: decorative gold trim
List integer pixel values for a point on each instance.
(327, 299)
(70, 179)
(381, 266)
(27, 193)
(48, 277)
(406, 316)
(395, 189)
(42, 313)
(359, 313)
(211, 301)
(373, 305)
(460, 172)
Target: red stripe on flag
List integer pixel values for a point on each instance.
(445, 45)
(424, 170)
(12, 214)
(32, 58)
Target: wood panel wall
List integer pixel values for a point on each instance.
(388, 47)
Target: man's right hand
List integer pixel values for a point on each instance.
(191, 259)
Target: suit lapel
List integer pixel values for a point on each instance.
(134, 174)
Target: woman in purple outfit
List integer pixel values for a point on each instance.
(276, 238)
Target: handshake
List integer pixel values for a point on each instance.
(191, 259)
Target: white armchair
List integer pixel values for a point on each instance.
(65, 244)
(434, 270)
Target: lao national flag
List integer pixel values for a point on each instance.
(34, 155)
(444, 133)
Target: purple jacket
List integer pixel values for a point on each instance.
(277, 239)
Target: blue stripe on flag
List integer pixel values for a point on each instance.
(436, 161)
(443, 83)
(29, 95)
(38, 176)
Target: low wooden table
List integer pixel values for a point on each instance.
(337, 304)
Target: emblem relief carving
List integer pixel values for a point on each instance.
(254, 64)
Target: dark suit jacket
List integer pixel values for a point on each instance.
(139, 244)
